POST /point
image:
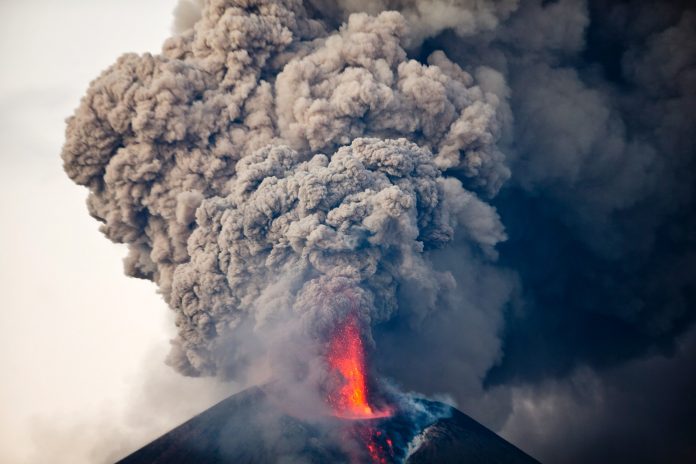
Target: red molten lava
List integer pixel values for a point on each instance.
(346, 356)
(349, 395)
(380, 448)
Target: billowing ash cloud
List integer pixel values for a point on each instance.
(427, 18)
(284, 163)
(263, 167)
(319, 229)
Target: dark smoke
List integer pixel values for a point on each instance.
(505, 188)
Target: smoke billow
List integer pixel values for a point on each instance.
(318, 237)
(283, 165)
(264, 170)
(427, 18)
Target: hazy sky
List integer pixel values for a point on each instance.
(69, 359)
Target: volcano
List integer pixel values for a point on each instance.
(248, 428)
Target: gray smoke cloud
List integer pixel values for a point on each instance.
(273, 176)
(427, 18)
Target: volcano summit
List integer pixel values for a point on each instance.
(244, 428)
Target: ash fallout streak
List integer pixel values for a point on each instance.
(297, 176)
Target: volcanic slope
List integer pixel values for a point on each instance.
(247, 428)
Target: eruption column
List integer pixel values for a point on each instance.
(346, 357)
(266, 171)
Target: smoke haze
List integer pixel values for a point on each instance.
(502, 192)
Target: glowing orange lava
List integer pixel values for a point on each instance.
(346, 356)
(379, 453)
(349, 394)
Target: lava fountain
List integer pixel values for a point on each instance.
(346, 360)
(349, 397)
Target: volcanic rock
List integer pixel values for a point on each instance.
(248, 428)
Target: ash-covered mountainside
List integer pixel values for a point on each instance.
(248, 428)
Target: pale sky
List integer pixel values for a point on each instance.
(81, 345)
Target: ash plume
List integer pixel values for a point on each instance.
(427, 18)
(263, 167)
